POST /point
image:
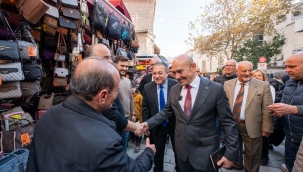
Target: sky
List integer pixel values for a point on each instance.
(171, 24)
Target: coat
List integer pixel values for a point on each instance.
(137, 97)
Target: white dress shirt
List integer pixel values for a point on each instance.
(193, 92)
(237, 89)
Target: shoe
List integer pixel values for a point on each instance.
(137, 148)
(284, 168)
(270, 147)
(264, 160)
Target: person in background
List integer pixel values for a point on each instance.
(248, 101)
(291, 109)
(260, 75)
(137, 97)
(170, 73)
(211, 77)
(125, 94)
(198, 70)
(75, 136)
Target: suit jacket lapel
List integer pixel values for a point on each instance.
(155, 96)
(231, 92)
(203, 92)
(252, 89)
(179, 88)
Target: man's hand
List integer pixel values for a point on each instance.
(139, 130)
(265, 134)
(152, 146)
(144, 126)
(133, 119)
(225, 162)
(280, 109)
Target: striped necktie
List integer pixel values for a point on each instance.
(238, 103)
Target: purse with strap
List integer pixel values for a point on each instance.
(32, 72)
(71, 13)
(11, 72)
(67, 23)
(32, 10)
(46, 101)
(60, 82)
(69, 3)
(51, 21)
(52, 11)
(15, 161)
(10, 90)
(30, 88)
(60, 72)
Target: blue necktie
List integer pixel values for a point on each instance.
(162, 103)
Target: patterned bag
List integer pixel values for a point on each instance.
(46, 101)
(51, 21)
(11, 72)
(30, 88)
(60, 82)
(71, 13)
(9, 50)
(67, 23)
(69, 3)
(52, 11)
(10, 90)
(32, 72)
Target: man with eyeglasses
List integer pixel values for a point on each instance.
(229, 72)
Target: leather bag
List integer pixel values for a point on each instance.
(51, 21)
(32, 10)
(69, 3)
(32, 72)
(10, 90)
(11, 72)
(67, 23)
(9, 50)
(71, 13)
(49, 42)
(62, 30)
(46, 101)
(52, 11)
(100, 17)
(36, 35)
(30, 88)
(60, 82)
(60, 72)
(15, 161)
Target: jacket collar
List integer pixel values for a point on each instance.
(79, 106)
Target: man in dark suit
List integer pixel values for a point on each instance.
(148, 77)
(196, 102)
(84, 139)
(154, 98)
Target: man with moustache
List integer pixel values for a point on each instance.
(125, 94)
(248, 100)
(75, 136)
(154, 98)
(291, 108)
(196, 102)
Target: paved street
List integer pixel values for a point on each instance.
(276, 158)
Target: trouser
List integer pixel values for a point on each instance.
(299, 159)
(124, 136)
(291, 150)
(185, 166)
(160, 140)
(253, 150)
(265, 147)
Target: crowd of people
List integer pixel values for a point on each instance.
(239, 109)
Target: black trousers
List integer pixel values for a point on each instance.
(159, 139)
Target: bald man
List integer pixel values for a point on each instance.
(291, 108)
(75, 136)
(116, 112)
(196, 102)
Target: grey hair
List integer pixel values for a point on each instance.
(246, 62)
(162, 64)
(231, 60)
(88, 84)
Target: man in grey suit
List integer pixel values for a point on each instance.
(154, 97)
(196, 102)
(251, 114)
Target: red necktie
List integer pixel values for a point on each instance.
(187, 102)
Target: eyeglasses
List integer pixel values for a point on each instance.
(229, 65)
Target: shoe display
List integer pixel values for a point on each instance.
(284, 168)
(137, 148)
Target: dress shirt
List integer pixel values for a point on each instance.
(165, 87)
(193, 91)
(237, 89)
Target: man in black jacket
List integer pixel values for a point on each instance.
(148, 77)
(75, 136)
(229, 72)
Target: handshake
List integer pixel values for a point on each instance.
(140, 128)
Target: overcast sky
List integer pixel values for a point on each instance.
(171, 24)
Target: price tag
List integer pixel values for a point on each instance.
(79, 57)
(16, 116)
(31, 51)
(0, 79)
(25, 139)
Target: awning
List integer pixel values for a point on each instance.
(121, 7)
(111, 9)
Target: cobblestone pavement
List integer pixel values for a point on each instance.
(276, 158)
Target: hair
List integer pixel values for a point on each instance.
(120, 58)
(279, 74)
(237, 65)
(92, 50)
(162, 64)
(170, 67)
(263, 73)
(88, 84)
(231, 60)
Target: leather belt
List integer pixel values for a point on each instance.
(242, 121)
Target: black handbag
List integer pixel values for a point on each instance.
(113, 28)
(100, 17)
(32, 72)
(49, 42)
(67, 23)
(8, 49)
(71, 13)
(69, 3)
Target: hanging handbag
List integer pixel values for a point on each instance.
(8, 124)
(125, 33)
(100, 17)
(69, 3)
(50, 30)
(62, 30)
(32, 10)
(11, 72)
(30, 88)
(47, 54)
(32, 72)
(134, 43)
(60, 72)
(84, 8)
(113, 28)
(121, 52)
(14, 161)
(10, 90)
(67, 23)
(71, 13)
(46, 101)
(60, 82)
(51, 21)
(49, 42)
(52, 11)
(36, 35)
